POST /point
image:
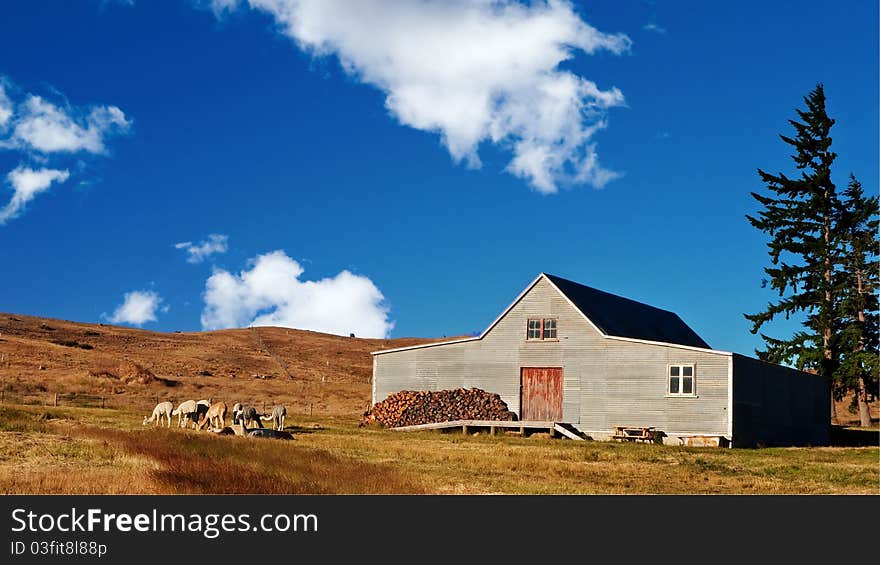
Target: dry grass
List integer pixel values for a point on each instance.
(73, 450)
(479, 464)
(80, 451)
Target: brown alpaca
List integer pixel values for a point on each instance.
(215, 416)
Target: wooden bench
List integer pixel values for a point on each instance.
(629, 433)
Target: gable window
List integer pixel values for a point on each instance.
(549, 328)
(541, 329)
(681, 380)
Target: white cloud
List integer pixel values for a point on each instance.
(42, 126)
(471, 71)
(270, 293)
(655, 28)
(138, 307)
(5, 107)
(48, 134)
(26, 184)
(198, 252)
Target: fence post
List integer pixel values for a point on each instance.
(55, 402)
(310, 408)
(102, 402)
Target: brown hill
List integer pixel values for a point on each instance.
(95, 364)
(127, 367)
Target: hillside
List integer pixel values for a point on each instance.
(129, 367)
(133, 368)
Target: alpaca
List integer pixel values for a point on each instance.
(264, 432)
(202, 407)
(186, 410)
(161, 409)
(215, 416)
(249, 414)
(245, 415)
(273, 434)
(277, 417)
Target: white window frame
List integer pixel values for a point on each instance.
(680, 377)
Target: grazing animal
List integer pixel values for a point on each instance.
(273, 434)
(185, 412)
(215, 416)
(161, 409)
(249, 414)
(245, 415)
(202, 407)
(277, 417)
(264, 432)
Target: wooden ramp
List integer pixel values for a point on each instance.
(567, 433)
(552, 427)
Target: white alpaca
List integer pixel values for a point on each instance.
(186, 410)
(277, 417)
(161, 409)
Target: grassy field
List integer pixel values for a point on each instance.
(75, 450)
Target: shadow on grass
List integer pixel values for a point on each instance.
(297, 430)
(854, 437)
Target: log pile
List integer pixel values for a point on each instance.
(410, 408)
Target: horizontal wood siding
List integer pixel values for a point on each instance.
(606, 382)
(774, 405)
(629, 388)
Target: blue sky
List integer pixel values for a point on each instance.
(349, 196)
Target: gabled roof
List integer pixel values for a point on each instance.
(613, 316)
(621, 317)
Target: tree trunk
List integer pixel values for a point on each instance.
(864, 407)
(833, 407)
(862, 392)
(827, 355)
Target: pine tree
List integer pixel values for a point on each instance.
(800, 217)
(859, 305)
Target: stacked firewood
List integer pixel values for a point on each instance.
(409, 408)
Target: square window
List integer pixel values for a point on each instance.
(681, 380)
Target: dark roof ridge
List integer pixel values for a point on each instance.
(619, 316)
(645, 304)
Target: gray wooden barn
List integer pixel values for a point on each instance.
(568, 353)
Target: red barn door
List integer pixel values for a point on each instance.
(541, 396)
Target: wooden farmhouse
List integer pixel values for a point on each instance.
(567, 353)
